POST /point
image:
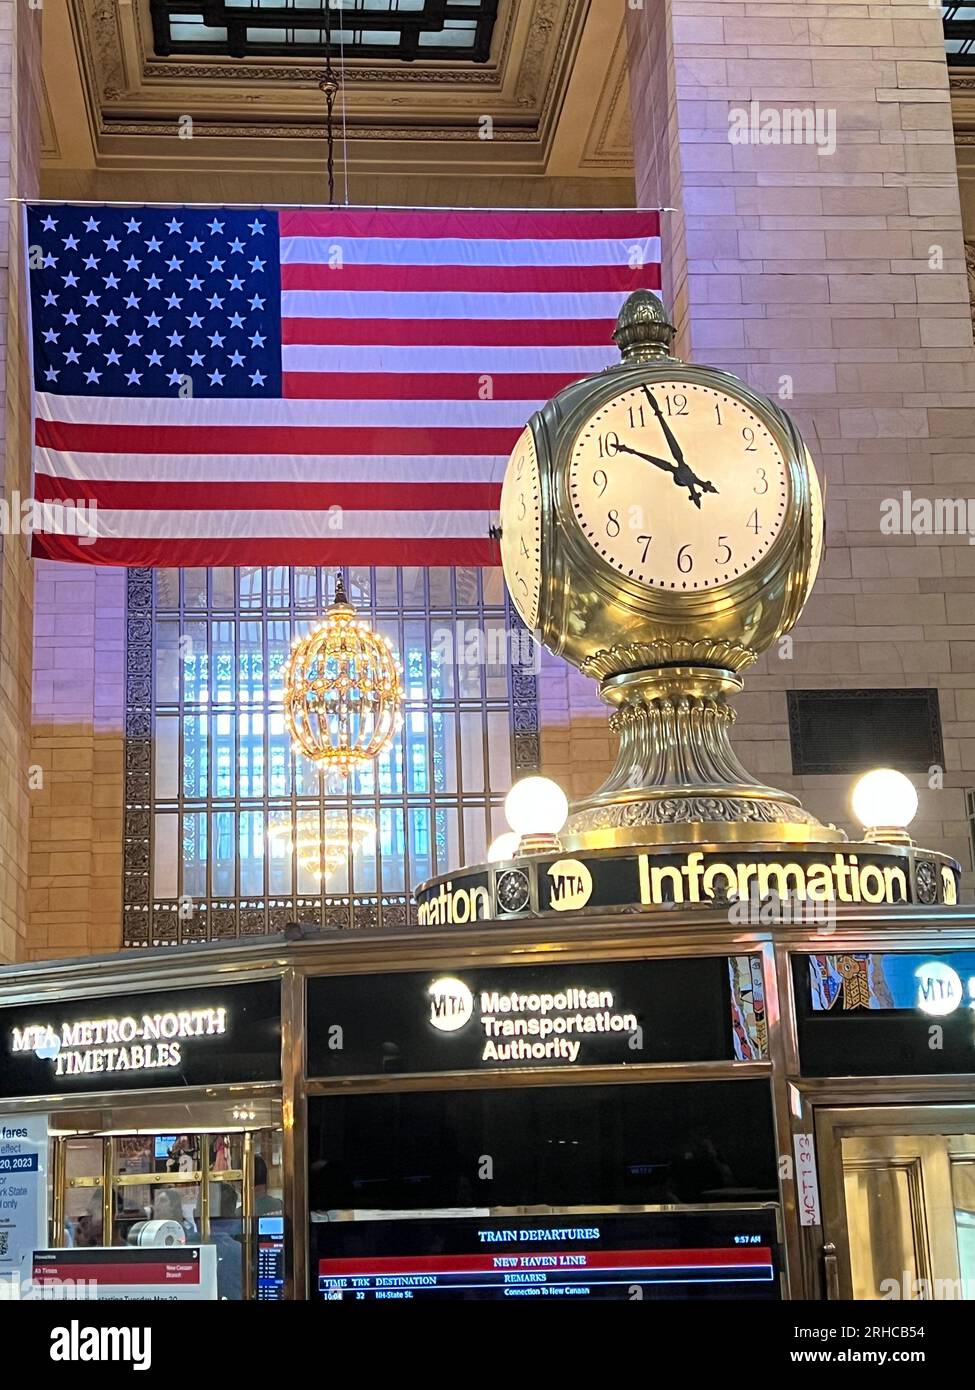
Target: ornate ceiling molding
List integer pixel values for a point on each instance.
(397, 114)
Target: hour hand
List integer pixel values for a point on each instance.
(665, 464)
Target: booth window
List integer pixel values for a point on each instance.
(847, 731)
(214, 791)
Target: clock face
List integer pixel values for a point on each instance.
(521, 528)
(678, 486)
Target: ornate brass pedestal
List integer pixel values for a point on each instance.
(677, 777)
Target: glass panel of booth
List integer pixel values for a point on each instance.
(155, 1188)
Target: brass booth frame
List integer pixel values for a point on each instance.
(590, 937)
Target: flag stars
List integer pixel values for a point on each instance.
(194, 321)
(52, 373)
(216, 263)
(72, 355)
(195, 244)
(70, 316)
(70, 243)
(91, 225)
(112, 358)
(216, 340)
(257, 378)
(236, 321)
(153, 321)
(216, 378)
(153, 244)
(50, 299)
(132, 225)
(91, 262)
(153, 283)
(174, 301)
(215, 227)
(257, 340)
(70, 280)
(111, 319)
(93, 376)
(194, 283)
(133, 263)
(92, 299)
(91, 337)
(257, 264)
(257, 228)
(256, 302)
(215, 302)
(51, 336)
(133, 339)
(236, 246)
(175, 339)
(50, 261)
(132, 301)
(236, 283)
(112, 243)
(196, 359)
(154, 359)
(133, 377)
(236, 360)
(174, 263)
(110, 282)
(49, 224)
(174, 226)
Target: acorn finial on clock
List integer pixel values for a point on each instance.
(643, 331)
(661, 526)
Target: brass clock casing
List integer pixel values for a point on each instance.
(666, 660)
(605, 623)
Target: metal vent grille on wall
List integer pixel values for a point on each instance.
(842, 731)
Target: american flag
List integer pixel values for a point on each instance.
(331, 385)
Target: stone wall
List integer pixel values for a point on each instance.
(19, 104)
(839, 277)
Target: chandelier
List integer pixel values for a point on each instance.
(321, 855)
(342, 690)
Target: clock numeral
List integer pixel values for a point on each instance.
(636, 417)
(609, 444)
(521, 503)
(646, 546)
(753, 522)
(723, 559)
(519, 467)
(600, 480)
(522, 583)
(612, 522)
(748, 435)
(717, 411)
(685, 561)
(676, 404)
(524, 547)
(762, 478)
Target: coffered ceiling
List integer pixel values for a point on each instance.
(551, 99)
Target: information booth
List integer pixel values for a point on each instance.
(648, 1105)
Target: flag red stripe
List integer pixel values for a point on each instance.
(471, 333)
(471, 279)
(423, 386)
(471, 225)
(260, 550)
(269, 439)
(316, 497)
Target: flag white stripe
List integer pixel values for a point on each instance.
(271, 468)
(216, 410)
(114, 524)
(458, 251)
(324, 357)
(531, 306)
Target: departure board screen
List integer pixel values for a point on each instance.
(727, 1254)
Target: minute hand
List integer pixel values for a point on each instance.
(684, 476)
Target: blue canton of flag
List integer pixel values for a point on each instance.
(155, 301)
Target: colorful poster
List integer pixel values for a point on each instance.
(936, 985)
(23, 1197)
(748, 1023)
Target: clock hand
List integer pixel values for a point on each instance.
(684, 476)
(670, 468)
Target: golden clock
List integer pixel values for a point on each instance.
(661, 526)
